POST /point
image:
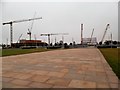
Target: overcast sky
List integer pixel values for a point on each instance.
(61, 17)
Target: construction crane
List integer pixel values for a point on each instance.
(30, 29)
(17, 21)
(35, 39)
(104, 33)
(52, 34)
(19, 38)
(91, 36)
(29, 33)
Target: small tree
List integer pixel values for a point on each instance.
(50, 44)
(70, 44)
(107, 42)
(100, 43)
(55, 44)
(114, 42)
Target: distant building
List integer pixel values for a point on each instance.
(30, 41)
(90, 41)
(24, 42)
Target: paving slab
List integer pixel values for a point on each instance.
(69, 68)
(39, 78)
(59, 81)
(40, 85)
(82, 84)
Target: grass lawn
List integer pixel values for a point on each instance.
(111, 55)
(8, 52)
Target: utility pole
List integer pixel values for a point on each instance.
(35, 40)
(7, 42)
(55, 40)
(111, 40)
(49, 39)
(63, 39)
(11, 34)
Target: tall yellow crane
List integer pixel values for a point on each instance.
(49, 34)
(17, 21)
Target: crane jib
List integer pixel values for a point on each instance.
(26, 20)
(17, 21)
(7, 23)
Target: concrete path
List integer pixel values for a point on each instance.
(71, 68)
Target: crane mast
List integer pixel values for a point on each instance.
(19, 37)
(105, 32)
(29, 33)
(91, 36)
(81, 33)
(17, 21)
(30, 29)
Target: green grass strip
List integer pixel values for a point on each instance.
(112, 57)
(9, 52)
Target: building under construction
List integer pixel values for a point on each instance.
(32, 43)
(90, 41)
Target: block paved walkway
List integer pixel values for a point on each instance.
(70, 68)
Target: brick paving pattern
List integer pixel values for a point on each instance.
(71, 68)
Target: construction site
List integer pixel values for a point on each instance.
(62, 45)
(85, 42)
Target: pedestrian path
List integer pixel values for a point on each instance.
(70, 68)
